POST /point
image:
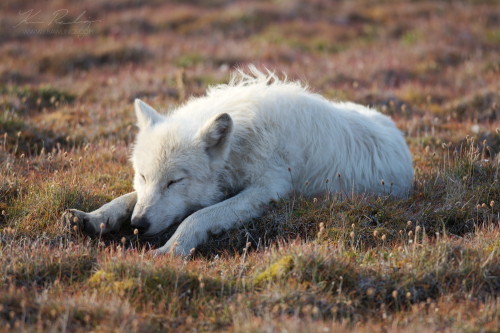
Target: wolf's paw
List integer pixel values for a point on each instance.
(78, 221)
(178, 246)
(175, 250)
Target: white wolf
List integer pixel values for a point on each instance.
(217, 161)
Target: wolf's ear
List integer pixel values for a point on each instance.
(146, 115)
(215, 135)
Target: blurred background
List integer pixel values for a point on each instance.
(70, 69)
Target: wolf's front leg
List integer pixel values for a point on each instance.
(223, 216)
(111, 215)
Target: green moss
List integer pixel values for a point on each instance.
(188, 60)
(410, 38)
(492, 36)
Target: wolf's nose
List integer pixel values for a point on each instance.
(140, 223)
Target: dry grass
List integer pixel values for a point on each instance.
(332, 263)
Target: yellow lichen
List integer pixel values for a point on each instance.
(276, 270)
(100, 278)
(108, 281)
(123, 286)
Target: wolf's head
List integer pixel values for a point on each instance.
(177, 165)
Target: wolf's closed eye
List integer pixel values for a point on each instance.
(172, 182)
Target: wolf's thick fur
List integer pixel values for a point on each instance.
(220, 159)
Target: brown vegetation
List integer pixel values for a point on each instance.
(333, 263)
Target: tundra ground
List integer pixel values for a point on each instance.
(332, 263)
